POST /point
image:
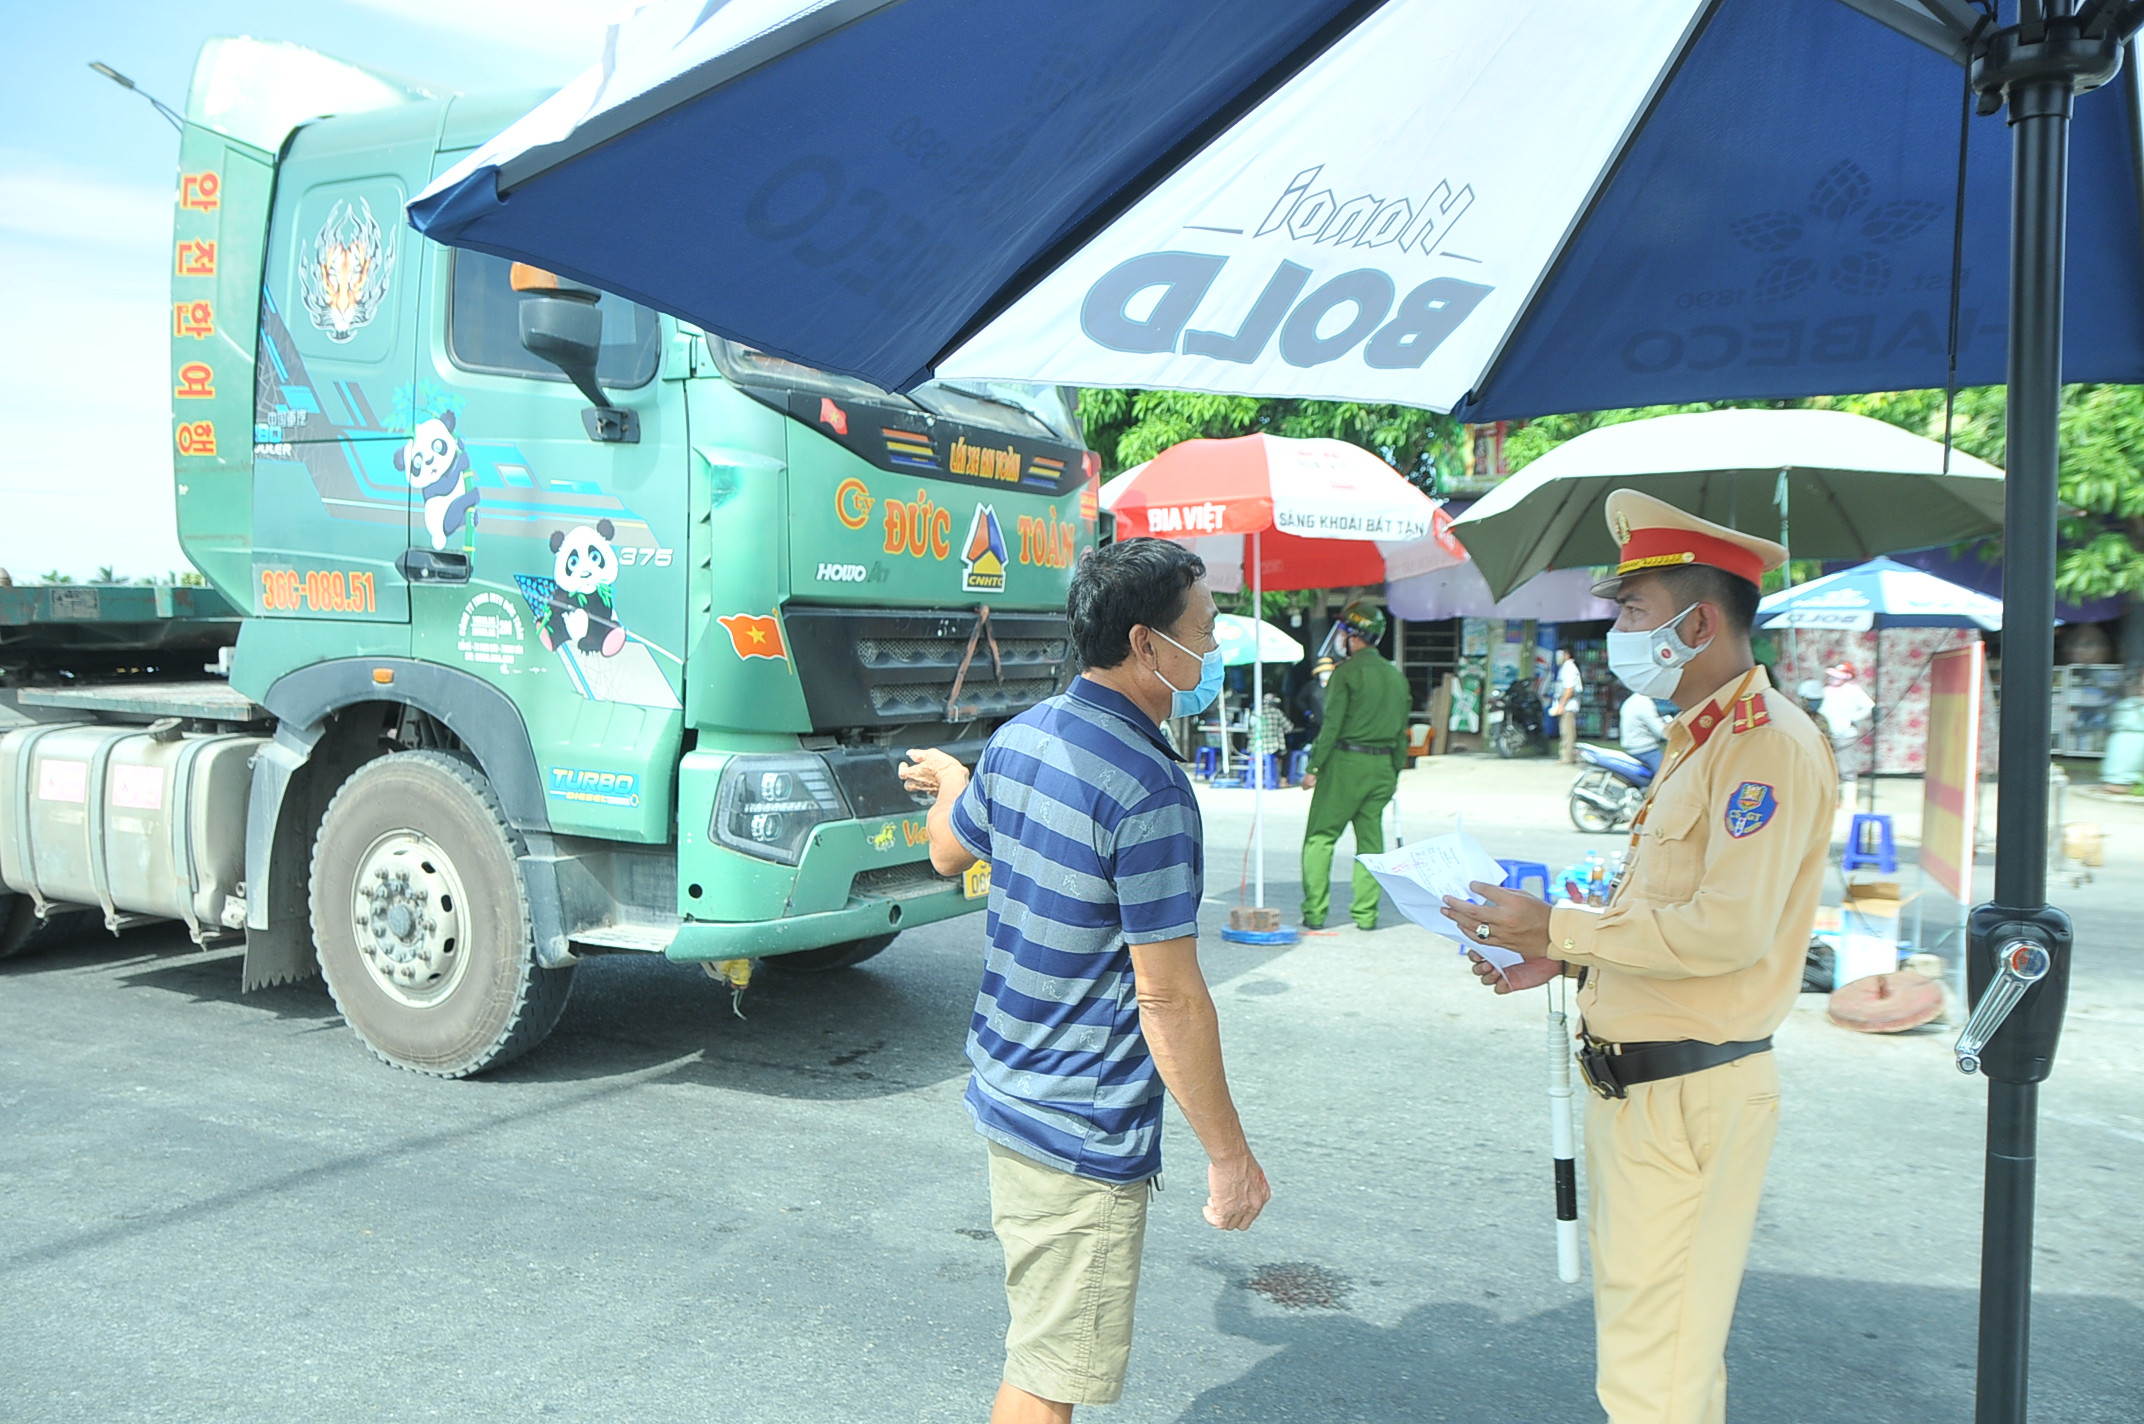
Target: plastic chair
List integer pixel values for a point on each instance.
(1298, 764)
(1518, 874)
(1206, 761)
(1264, 770)
(1869, 845)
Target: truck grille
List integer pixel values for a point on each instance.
(980, 696)
(901, 882)
(947, 652)
(893, 667)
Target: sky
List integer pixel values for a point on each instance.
(85, 233)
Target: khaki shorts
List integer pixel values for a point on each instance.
(1071, 1275)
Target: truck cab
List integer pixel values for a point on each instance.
(569, 629)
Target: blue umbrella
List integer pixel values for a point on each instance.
(1499, 210)
(1881, 593)
(1247, 640)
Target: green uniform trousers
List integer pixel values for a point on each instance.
(1354, 788)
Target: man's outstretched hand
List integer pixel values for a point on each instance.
(931, 771)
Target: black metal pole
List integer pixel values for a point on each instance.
(2039, 175)
(2039, 120)
(2006, 1252)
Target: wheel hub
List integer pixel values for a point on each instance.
(409, 912)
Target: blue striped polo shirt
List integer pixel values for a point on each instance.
(1094, 844)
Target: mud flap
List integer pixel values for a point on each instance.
(279, 931)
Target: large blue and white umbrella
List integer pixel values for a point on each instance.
(1494, 209)
(1497, 209)
(1881, 593)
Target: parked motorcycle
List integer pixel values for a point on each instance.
(1515, 720)
(1610, 791)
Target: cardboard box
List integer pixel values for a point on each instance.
(1876, 915)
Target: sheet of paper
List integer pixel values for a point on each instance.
(1419, 876)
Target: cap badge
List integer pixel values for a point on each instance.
(1622, 527)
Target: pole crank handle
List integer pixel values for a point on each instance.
(2021, 964)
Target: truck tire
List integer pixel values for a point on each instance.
(846, 955)
(421, 919)
(21, 932)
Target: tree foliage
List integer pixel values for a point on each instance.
(2102, 543)
(1131, 427)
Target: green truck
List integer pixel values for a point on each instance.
(539, 625)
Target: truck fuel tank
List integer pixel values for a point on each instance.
(143, 821)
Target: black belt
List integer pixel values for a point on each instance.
(1385, 750)
(1611, 1069)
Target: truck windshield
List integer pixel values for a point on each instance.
(484, 329)
(1041, 412)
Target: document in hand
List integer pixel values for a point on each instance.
(1418, 877)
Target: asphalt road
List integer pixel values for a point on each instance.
(220, 1207)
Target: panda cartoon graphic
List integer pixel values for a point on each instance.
(581, 609)
(434, 462)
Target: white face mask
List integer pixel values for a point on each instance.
(1651, 663)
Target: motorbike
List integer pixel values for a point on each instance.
(1611, 789)
(1515, 720)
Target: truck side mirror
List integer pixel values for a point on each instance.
(560, 323)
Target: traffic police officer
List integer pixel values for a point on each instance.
(1354, 765)
(1694, 961)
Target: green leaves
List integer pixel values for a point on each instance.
(1131, 427)
(2102, 553)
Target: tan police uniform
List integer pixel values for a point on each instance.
(1703, 940)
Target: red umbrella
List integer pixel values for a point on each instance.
(1319, 513)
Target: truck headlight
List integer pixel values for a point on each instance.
(766, 806)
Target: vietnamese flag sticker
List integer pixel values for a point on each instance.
(755, 635)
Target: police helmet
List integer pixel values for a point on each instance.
(1365, 621)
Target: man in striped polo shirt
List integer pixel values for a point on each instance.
(1092, 1000)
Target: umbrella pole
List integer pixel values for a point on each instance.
(1258, 711)
(2018, 941)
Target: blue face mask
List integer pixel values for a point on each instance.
(1189, 702)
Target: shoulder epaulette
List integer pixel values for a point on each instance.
(1750, 713)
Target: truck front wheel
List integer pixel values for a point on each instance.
(421, 919)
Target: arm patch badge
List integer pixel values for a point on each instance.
(1752, 805)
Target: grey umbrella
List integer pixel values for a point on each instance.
(1827, 484)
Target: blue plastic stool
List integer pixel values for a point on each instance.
(1206, 761)
(1263, 770)
(1519, 873)
(1298, 763)
(1869, 845)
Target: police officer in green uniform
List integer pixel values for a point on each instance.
(1354, 765)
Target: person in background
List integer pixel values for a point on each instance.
(1843, 708)
(1269, 734)
(1092, 999)
(1354, 766)
(1302, 695)
(1563, 703)
(1644, 730)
